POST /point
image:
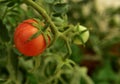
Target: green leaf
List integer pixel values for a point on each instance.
(32, 79)
(3, 55)
(3, 1)
(16, 52)
(58, 21)
(104, 82)
(49, 1)
(35, 35)
(10, 4)
(60, 8)
(106, 73)
(14, 60)
(17, 12)
(4, 36)
(46, 38)
(76, 53)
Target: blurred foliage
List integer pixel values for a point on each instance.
(102, 52)
(100, 56)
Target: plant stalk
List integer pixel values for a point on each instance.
(45, 15)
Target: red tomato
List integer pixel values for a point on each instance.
(22, 33)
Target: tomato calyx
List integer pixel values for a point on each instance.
(42, 29)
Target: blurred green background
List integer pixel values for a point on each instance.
(101, 55)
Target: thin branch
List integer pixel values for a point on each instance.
(45, 15)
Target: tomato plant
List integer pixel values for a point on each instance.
(22, 35)
(58, 42)
(41, 36)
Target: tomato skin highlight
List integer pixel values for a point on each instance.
(22, 34)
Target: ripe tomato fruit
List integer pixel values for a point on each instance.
(84, 36)
(22, 34)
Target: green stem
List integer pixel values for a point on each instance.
(63, 81)
(45, 15)
(69, 49)
(8, 81)
(7, 9)
(37, 63)
(68, 30)
(53, 27)
(56, 76)
(74, 34)
(9, 66)
(88, 79)
(5, 13)
(67, 44)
